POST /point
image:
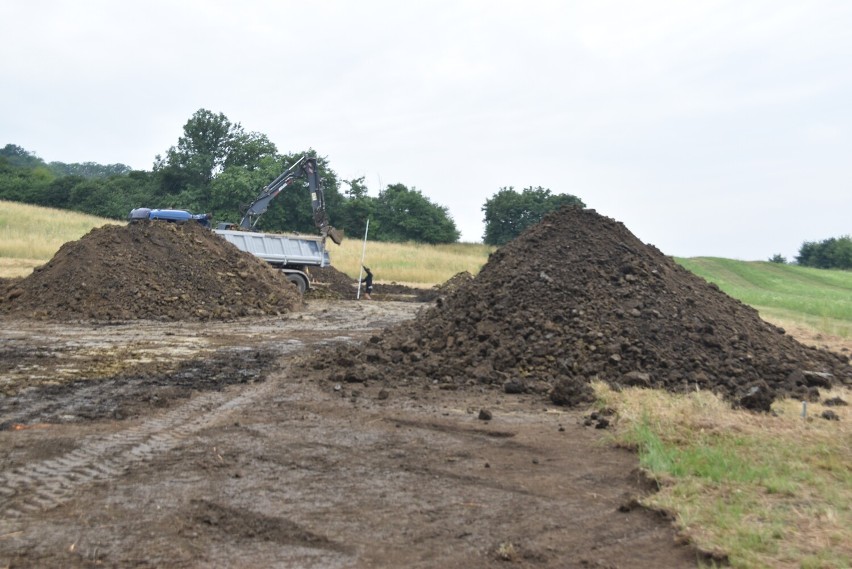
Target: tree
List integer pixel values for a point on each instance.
(88, 169)
(404, 214)
(105, 190)
(19, 157)
(23, 177)
(248, 149)
(508, 213)
(356, 208)
(778, 258)
(832, 253)
(210, 144)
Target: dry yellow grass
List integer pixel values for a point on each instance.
(34, 234)
(412, 264)
(11, 268)
(769, 490)
(31, 235)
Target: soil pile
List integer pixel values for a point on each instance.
(150, 270)
(578, 297)
(328, 282)
(445, 288)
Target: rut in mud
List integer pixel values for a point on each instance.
(578, 297)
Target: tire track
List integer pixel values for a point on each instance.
(41, 486)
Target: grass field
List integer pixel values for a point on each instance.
(765, 490)
(819, 298)
(30, 235)
(411, 264)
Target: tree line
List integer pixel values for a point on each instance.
(218, 167)
(831, 253)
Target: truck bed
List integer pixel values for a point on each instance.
(279, 249)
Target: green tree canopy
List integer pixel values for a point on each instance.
(508, 213)
(356, 209)
(89, 169)
(832, 253)
(403, 214)
(210, 144)
(20, 158)
(216, 167)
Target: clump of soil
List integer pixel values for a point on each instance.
(328, 282)
(580, 297)
(447, 287)
(150, 270)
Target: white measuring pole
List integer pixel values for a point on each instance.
(363, 254)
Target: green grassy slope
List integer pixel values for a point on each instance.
(817, 297)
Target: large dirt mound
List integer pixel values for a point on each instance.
(150, 270)
(579, 297)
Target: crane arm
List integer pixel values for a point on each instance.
(307, 167)
(259, 206)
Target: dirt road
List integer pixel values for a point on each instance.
(208, 445)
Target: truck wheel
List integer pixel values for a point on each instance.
(299, 281)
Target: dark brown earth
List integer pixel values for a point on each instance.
(207, 444)
(219, 427)
(576, 298)
(149, 270)
(328, 282)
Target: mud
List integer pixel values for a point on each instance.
(165, 403)
(257, 462)
(577, 298)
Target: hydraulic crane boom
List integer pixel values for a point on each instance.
(306, 166)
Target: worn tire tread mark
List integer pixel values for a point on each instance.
(41, 486)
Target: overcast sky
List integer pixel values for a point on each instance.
(708, 128)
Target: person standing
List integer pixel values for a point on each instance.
(368, 283)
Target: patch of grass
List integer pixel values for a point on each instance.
(11, 267)
(35, 233)
(410, 263)
(770, 490)
(821, 298)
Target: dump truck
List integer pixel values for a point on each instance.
(292, 254)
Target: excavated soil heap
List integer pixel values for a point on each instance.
(328, 282)
(447, 287)
(579, 297)
(150, 270)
